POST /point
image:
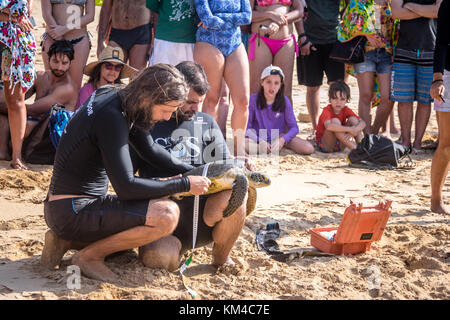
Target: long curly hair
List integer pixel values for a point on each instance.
(155, 85)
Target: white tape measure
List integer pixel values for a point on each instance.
(194, 236)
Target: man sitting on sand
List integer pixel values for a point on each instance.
(130, 29)
(51, 87)
(95, 149)
(338, 125)
(193, 137)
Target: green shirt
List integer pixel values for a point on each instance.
(176, 20)
(322, 21)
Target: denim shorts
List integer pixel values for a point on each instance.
(377, 60)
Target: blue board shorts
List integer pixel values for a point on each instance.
(412, 75)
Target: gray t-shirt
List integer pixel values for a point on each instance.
(322, 21)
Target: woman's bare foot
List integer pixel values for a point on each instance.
(438, 207)
(54, 250)
(18, 164)
(93, 268)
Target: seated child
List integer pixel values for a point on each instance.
(338, 125)
(271, 121)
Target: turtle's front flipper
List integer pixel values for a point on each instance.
(238, 192)
(251, 200)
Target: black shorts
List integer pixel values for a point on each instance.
(126, 39)
(92, 219)
(183, 231)
(310, 68)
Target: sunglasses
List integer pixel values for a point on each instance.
(110, 66)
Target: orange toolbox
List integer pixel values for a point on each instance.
(359, 227)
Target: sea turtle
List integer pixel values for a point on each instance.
(231, 174)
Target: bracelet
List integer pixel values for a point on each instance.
(302, 35)
(437, 80)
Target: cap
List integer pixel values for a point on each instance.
(272, 70)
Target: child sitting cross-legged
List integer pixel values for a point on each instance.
(271, 121)
(338, 125)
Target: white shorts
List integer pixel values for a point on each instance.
(444, 107)
(171, 52)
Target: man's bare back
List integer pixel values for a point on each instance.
(128, 15)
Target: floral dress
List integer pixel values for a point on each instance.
(20, 53)
(366, 18)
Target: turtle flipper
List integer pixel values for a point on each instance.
(238, 193)
(251, 200)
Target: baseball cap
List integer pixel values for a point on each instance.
(272, 70)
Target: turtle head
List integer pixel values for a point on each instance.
(258, 180)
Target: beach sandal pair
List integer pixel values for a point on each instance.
(265, 238)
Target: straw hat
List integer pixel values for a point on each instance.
(112, 54)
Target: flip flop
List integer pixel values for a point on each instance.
(418, 151)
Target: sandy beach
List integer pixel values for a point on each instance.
(411, 261)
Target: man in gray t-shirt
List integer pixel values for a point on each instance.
(317, 35)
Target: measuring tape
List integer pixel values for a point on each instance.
(194, 237)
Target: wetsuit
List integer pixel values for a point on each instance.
(93, 148)
(196, 142)
(222, 19)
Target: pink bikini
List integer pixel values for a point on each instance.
(274, 44)
(265, 3)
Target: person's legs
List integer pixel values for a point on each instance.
(403, 90)
(284, 59)
(161, 219)
(440, 164)
(77, 65)
(384, 109)
(138, 56)
(226, 230)
(236, 75)
(328, 141)
(213, 62)
(4, 138)
(163, 253)
(17, 117)
(313, 104)
(300, 146)
(365, 86)
(224, 106)
(262, 58)
(405, 116)
(423, 113)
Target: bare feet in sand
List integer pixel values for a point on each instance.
(439, 207)
(18, 165)
(94, 269)
(228, 262)
(54, 250)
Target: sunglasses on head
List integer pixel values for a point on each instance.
(110, 66)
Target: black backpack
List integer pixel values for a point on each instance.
(378, 151)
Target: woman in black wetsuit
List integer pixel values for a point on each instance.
(95, 148)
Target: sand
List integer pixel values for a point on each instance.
(411, 261)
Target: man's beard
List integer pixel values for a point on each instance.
(58, 73)
(184, 116)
